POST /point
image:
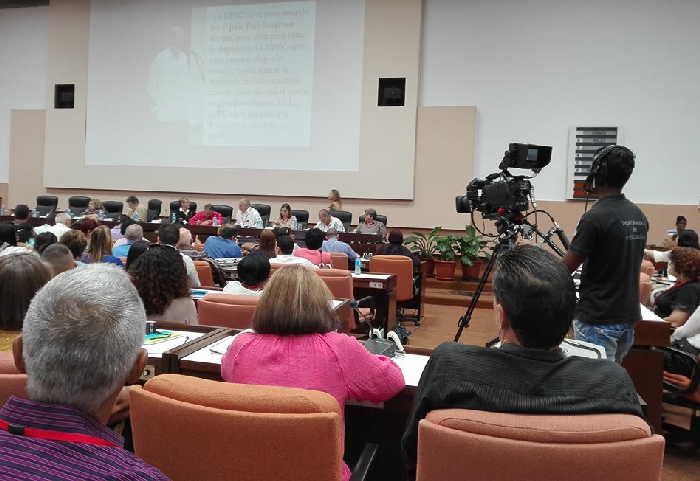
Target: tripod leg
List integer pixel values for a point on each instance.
(467, 317)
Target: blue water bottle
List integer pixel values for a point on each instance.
(358, 265)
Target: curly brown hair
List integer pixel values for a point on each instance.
(160, 276)
(76, 241)
(686, 261)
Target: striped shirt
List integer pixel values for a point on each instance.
(32, 459)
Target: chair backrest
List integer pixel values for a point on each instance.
(452, 442)
(206, 277)
(227, 310)
(264, 211)
(221, 430)
(339, 281)
(343, 216)
(78, 203)
(302, 217)
(224, 210)
(645, 287)
(46, 203)
(12, 383)
(378, 218)
(402, 266)
(154, 208)
(339, 260)
(113, 208)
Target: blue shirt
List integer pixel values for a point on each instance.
(335, 245)
(121, 250)
(217, 247)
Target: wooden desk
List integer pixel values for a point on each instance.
(383, 288)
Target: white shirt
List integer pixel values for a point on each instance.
(659, 256)
(291, 259)
(335, 224)
(58, 230)
(235, 287)
(249, 218)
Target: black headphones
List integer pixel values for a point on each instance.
(599, 167)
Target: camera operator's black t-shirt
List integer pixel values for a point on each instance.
(611, 236)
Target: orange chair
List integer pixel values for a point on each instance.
(453, 442)
(339, 260)
(206, 278)
(645, 286)
(402, 266)
(340, 283)
(219, 431)
(227, 310)
(12, 383)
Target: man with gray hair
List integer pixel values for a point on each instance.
(133, 233)
(80, 343)
(247, 216)
(62, 225)
(370, 225)
(333, 244)
(59, 258)
(326, 222)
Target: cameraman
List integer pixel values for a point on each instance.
(610, 240)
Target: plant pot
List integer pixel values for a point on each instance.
(445, 270)
(427, 266)
(474, 271)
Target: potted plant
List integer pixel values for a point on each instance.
(446, 260)
(468, 249)
(424, 246)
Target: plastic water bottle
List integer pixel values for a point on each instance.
(215, 221)
(173, 217)
(358, 265)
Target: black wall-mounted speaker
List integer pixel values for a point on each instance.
(392, 92)
(64, 96)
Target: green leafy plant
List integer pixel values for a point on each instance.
(445, 246)
(423, 244)
(469, 246)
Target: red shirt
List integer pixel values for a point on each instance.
(204, 215)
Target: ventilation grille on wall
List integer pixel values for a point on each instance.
(584, 142)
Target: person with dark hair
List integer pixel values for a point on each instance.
(183, 213)
(119, 229)
(286, 219)
(688, 238)
(100, 248)
(285, 256)
(253, 272)
(295, 345)
(76, 243)
(208, 216)
(135, 211)
(535, 300)
(223, 245)
(161, 279)
(395, 247)
(87, 225)
(21, 276)
(22, 214)
(8, 235)
(137, 248)
(43, 240)
(679, 301)
(25, 234)
(681, 224)
(169, 235)
(59, 258)
(609, 242)
(268, 244)
(312, 251)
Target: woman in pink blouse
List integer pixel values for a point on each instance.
(295, 345)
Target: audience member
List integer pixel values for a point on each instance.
(119, 229)
(133, 233)
(295, 327)
(100, 248)
(681, 224)
(333, 244)
(286, 219)
(63, 223)
(208, 216)
(43, 240)
(136, 212)
(247, 216)
(224, 244)
(87, 225)
(610, 238)
(687, 238)
(22, 214)
(59, 258)
(76, 243)
(187, 247)
(183, 213)
(8, 240)
(161, 279)
(687, 337)
(371, 225)
(25, 235)
(169, 235)
(80, 344)
(676, 303)
(253, 272)
(285, 249)
(395, 247)
(312, 251)
(137, 248)
(336, 203)
(21, 276)
(326, 222)
(268, 244)
(535, 301)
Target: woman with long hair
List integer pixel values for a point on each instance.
(295, 344)
(268, 244)
(286, 219)
(100, 248)
(336, 203)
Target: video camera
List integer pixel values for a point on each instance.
(503, 194)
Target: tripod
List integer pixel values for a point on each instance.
(508, 234)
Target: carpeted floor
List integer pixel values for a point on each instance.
(440, 325)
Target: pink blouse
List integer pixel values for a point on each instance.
(333, 363)
(316, 257)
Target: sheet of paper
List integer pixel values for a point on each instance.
(157, 350)
(412, 366)
(335, 303)
(211, 353)
(371, 276)
(648, 315)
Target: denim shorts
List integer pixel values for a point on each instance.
(616, 339)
